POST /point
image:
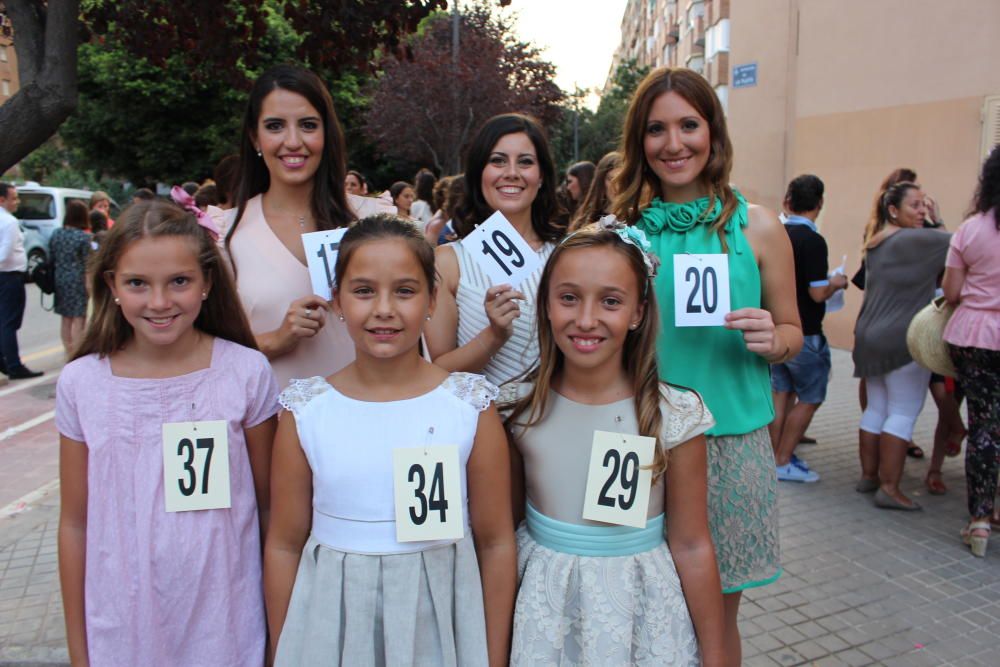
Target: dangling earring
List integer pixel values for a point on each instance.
(259, 153)
(118, 301)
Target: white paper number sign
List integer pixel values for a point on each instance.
(501, 252)
(428, 493)
(196, 466)
(701, 290)
(321, 255)
(617, 484)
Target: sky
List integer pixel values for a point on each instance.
(578, 36)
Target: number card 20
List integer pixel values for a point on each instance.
(619, 479)
(502, 253)
(428, 494)
(701, 290)
(196, 466)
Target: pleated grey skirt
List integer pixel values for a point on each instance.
(355, 610)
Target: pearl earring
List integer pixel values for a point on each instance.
(428, 318)
(118, 301)
(204, 295)
(260, 154)
(340, 317)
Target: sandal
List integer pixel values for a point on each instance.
(914, 451)
(977, 542)
(935, 485)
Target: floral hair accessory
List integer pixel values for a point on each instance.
(186, 201)
(632, 236)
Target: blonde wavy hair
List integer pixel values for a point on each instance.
(639, 349)
(636, 183)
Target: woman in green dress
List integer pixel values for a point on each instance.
(674, 185)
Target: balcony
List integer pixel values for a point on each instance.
(699, 31)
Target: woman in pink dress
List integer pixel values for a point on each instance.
(291, 182)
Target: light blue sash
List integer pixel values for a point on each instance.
(593, 540)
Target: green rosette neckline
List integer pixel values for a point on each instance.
(681, 218)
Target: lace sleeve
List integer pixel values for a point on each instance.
(298, 393)
(685, 416)
(474, 389)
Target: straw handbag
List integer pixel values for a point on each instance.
(925, 337)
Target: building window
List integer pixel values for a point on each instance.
(5, 87)
(3, 53)
(717, 38)
(723, 94)
(697, 63)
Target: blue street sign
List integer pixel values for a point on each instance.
(745, 76)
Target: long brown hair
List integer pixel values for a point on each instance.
(637, 184)
(639, 349)
(221, 313)
(900, 175)
(597, 203)
(329, 200)
(893, 196)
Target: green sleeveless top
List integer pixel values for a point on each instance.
(734, 382)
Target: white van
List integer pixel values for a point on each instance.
(42, 211)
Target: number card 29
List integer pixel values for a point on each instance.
(321, 255)
(701, 290)
(196, 466)
(619, 479)
(428, 493)
(501, 252)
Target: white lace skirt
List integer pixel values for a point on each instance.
(605, 611)
(422, 608)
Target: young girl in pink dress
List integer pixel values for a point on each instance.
(166, 417)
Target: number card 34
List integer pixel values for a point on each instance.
(427, 492)
(619, 479)
(196, 466)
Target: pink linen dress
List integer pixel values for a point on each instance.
(269, 278)
(167, 589)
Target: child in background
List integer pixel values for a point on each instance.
(593, 593)
(159, 548)
(341, 588)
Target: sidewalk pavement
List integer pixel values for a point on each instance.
(861, 586)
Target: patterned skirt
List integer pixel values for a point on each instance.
(743, 509)
(600, 610)
(422, 608)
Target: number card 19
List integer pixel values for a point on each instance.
(428, 494)
(501, 252)
(619, 479)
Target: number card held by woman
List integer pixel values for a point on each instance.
(701, 290)
(501, 252)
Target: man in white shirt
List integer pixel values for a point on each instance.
(13, 263)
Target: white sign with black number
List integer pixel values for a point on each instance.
(196, 466)
(619, 479)
(321, 255)
(501, 252)
(701, 290)
(428, 493)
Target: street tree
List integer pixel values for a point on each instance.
(216, 39)
(425, 108)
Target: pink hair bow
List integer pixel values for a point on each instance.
(186, 201)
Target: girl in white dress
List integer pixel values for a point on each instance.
(345, 584)
(592, 592)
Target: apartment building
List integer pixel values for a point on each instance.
(8, 61)
(848, 90)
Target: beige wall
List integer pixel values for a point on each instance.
(760, 115)
(8, 70)
(867, 146)
(852, 89)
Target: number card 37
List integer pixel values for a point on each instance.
(196, 466)
(619, 479)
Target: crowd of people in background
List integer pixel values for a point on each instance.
(200, 307)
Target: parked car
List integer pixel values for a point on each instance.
(41, 212)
